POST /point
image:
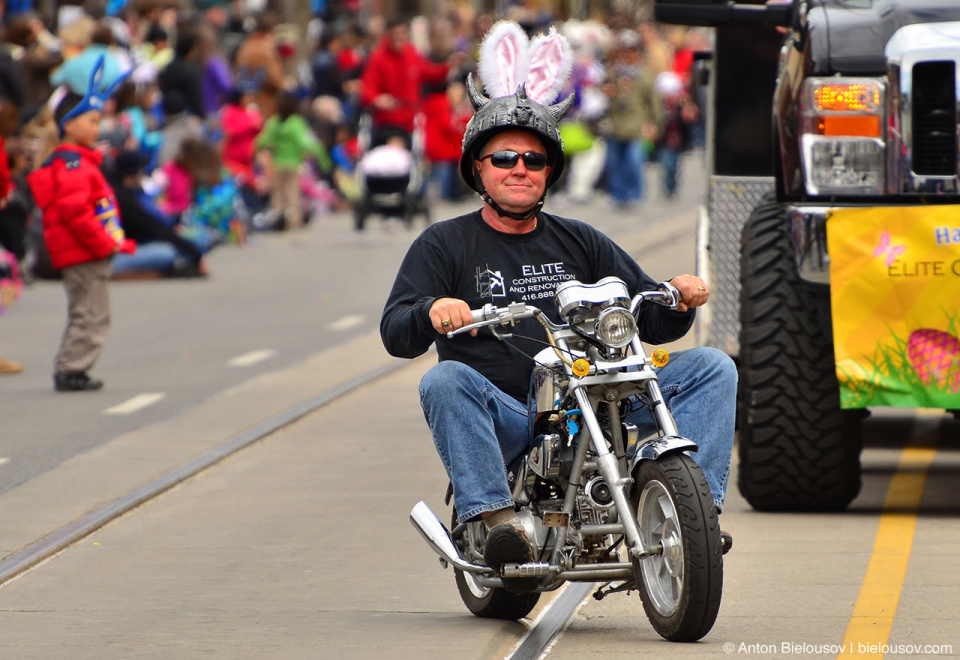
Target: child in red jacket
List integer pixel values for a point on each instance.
(81, 229)
(9, 279)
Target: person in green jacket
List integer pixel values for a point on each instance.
(634, 120)
(289, 140)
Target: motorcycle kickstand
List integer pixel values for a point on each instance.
(627, 586)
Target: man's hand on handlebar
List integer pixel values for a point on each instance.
(693, 291)
(455, 312)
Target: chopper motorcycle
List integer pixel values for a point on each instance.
(598, 503)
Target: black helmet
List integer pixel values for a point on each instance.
(511, 112)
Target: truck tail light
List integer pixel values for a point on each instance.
(844, 146)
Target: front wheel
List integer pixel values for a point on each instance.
(484, 601)
(681, 587)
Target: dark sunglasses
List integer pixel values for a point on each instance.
(506, 160)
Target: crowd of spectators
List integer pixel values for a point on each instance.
(223, 128)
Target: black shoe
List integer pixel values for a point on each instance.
(77, 382)
(507, 544)
(726, 542)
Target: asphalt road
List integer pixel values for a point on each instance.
(174, 344)
(299, 547)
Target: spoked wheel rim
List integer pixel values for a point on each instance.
(660, 527)
(475, 588)
(472, 544)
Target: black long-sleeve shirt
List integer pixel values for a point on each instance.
(141, 226)
(467, 259)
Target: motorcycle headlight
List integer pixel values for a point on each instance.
(844, 148)
(616, 327)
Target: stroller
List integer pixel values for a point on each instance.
(391, 181)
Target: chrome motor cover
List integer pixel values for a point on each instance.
(547, 384)
(578, 302)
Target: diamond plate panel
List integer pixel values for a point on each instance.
(730, 201)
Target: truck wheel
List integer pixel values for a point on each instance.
(799, 451)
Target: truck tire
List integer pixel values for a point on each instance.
(798, 450)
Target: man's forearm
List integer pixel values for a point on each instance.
(405, 329)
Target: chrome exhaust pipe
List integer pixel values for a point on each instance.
(438, 538)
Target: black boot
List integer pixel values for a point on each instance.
(507, 544)
(726, 542)
(75, 382)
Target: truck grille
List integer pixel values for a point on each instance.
(934, 119)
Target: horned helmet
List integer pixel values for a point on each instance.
(522, 78)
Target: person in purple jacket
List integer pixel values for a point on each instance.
(216, 79)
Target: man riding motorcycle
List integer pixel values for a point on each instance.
(474, 399)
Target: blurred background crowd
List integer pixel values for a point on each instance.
(238, 118)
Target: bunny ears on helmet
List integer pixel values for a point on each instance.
(508, 58)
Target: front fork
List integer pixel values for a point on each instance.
(610, 468)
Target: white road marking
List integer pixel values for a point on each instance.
(252, 358)
(138, 402)
(4, 460)
(347, 322)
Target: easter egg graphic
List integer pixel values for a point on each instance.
(934, 356)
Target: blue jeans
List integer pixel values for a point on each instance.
(624, 169)
(669, 160)
(159, 257)
(446, 177)
(478, 429)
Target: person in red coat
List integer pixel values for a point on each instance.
(81, 229)
(6, 192)
(393, 76)
(447, 113)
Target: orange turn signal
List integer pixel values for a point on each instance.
(660, 357)
(849, 125)
(580, 367)
(847, 97)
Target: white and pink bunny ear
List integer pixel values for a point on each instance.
(551, 61)
(504, 59)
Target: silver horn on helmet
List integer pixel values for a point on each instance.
(477, 98)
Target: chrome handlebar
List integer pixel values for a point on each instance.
(490, 315)
(666, 295)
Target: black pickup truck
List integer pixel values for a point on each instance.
(815, 105)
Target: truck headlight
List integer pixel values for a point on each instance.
(844, 150)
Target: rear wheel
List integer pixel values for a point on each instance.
(799, 451)
(681, 587)
(484, 601)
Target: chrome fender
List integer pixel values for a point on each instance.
(654, 448)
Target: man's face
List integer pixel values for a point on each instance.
(84, 129)
(399, 36)
(516, 189)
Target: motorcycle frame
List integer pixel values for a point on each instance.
(632, 369)
(588, 393)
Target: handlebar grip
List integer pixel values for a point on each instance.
(476, 315)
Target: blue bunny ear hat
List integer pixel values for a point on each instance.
(93, 100)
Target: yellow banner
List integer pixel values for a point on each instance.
(895, 297)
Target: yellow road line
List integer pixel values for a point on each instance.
(873, 614)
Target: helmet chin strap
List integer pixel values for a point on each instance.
(485, 196)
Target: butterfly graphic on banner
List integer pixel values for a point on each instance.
(885, 247)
